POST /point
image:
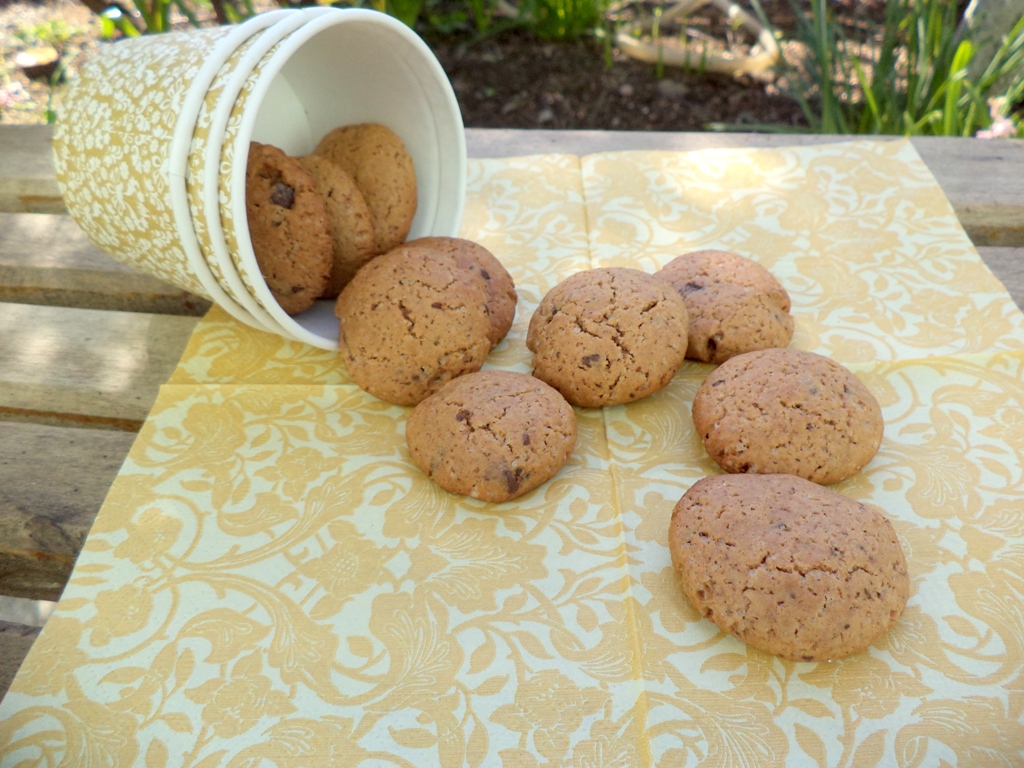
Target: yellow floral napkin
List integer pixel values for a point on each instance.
(271, 582)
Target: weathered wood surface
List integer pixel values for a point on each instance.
(1008, 265)
(15, 641)
(27, 181)
(47, 259)
(85, 366)
(85, 342)
(48, 509)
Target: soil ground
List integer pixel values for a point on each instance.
(509, 79)
(512, 81)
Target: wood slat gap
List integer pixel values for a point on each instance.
(75, 420)
(183, 305)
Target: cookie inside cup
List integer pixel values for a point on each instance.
(314, 82)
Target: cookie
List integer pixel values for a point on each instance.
(735, 305)
(378, 162)
(348, 220)
(410, 321)
(501, 290)
(492, 435)
(789, 567)
(608, 336)
(288, 227)
(787, 411)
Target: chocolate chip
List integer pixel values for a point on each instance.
(462, 415)
(526, 438)
(691, 287)
(591, 360)
(512, 479)
(437, 305)
(283, 195)
(485, 274)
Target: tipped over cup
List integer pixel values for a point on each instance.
(148, 193)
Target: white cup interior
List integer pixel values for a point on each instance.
(346, 67)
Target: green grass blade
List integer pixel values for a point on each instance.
(951, 123)
(869, 99)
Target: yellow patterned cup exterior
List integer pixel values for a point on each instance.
(112, 148)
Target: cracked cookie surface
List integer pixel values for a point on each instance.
(498, 283)
(492, 435)
(787, 411)
(348, 220)
(788, 566)
(608, 336)
(287, 227)
(410, 321)
(735, 305)
(383, 170)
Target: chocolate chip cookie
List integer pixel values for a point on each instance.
(608, 336)
(735, 305)
(492, 435)
(787, 411)
(288, 227)
(411, 320)
(501, 290)
(348, 220)
(788, 566)
(377, 160)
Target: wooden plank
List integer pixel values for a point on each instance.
(1008, 265)
(89, 289)
(53, 241)
(15, 642)
(27, 611)
(85, 366)
(45, 515)
(27, 181)
(47, 259)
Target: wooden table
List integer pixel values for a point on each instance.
(86, 342)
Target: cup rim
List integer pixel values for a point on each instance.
(287, 22)
(177, 162)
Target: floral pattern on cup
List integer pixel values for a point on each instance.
(112, 143)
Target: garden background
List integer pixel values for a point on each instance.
(843, 66)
